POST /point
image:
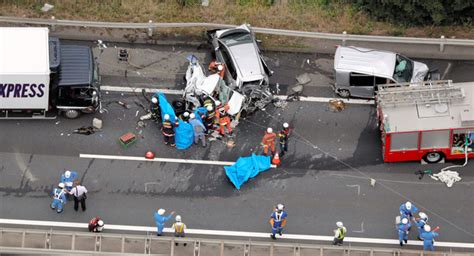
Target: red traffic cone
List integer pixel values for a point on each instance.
(149, 155)
(276, 160)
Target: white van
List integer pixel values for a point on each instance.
(358, 71)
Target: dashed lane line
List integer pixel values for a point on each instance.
(180, 92)
(227, 233)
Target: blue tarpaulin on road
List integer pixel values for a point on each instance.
(246, 168)
(184, 134)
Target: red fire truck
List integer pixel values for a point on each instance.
(430, 121)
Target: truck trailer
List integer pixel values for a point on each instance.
(40, 77)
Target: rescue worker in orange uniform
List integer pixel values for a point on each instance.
(223, 118)
(217, 67)
(268, 141)
(168, 130)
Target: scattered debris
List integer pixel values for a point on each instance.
(421, 173)
(205, 3)
(62, 134)
(123, 104)
(85, 130)
(141, 124)
(47, 7)
(97, 123)
(136, 113)
(337, 105)
(372, 182)
(448, 177)
(123, 55)
(303, 78)
(280, 103)
(230, 143)
(58, 122)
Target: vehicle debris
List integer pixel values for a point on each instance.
(303, 78)
(85, 130)
(97, 123)
(337, 105)
(123, 104)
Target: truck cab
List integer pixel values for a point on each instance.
(74, 79)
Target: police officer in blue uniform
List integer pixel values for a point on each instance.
(59, 198)
(67, 178)
(278, 220)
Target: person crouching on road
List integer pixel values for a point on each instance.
(59, 198)
(408, 210)
(67, 178)
(278, 220)
(96, 225)
(268, 142)
(420, 223)
(339, 234)
(199, 130)
(403, 228)
(168, 130)
(179, 228)
(160, 220)
(80, 195)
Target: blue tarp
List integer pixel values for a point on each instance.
(184, 134)
(246, 168)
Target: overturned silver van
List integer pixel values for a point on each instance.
(358, 71)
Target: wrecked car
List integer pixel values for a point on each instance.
(358, 71)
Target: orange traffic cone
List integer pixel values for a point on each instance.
(149, 155)
(276, 160)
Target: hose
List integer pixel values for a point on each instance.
(465, 156)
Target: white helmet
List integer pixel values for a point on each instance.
(280, 207)
(67, 174)
(218, 103)
(220, 67)
(269, 130)
(167, 117)
(405, 221)
(61, 185)
(154, 100)
(186, 114)
(423, 216)
(100, 223)
(192, 116)
(161, 211)
(427, 228)
(178, 218)
(408, 205)
(209, 108)
(339, 224)
(286, 125)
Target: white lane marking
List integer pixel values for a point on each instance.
(24, 168)
(355, 186)
(227, 233)
(361, 228)
(180, 92)
(167, 160)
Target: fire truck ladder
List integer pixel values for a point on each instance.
(426, 92)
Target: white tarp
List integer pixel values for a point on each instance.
(209, 84)
(24, 68)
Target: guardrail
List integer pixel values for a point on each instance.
(344, 37)
(70, 243)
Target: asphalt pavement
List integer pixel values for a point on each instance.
(323, 179)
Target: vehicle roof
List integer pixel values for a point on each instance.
(76, 65)
(24, 51)
(366, 61)
(420, 117)
(248, 61)
(225, 32)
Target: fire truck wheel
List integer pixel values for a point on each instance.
(71, 113)
(433, 157)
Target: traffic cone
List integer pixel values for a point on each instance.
(276, 160)
(149, 155)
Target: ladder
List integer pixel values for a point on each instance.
(426, 92)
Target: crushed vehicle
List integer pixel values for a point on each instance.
(358, 71)
(245, 79)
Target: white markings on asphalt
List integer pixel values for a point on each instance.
(156, 159)
(361, 228)
(24, 168)
(225, 233)
(355, 186)
(180, 92)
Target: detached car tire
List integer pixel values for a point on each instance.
(433, 157)
(72, 114)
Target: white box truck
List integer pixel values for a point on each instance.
(39, 76)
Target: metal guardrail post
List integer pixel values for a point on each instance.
(172, 247)
(123, 244)
(53, 27)
(247, 249)
(23, 237)
(73, 242)
(222, 248)
(441, 45)
(197, 248)
(150, 29)
(344, 35)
